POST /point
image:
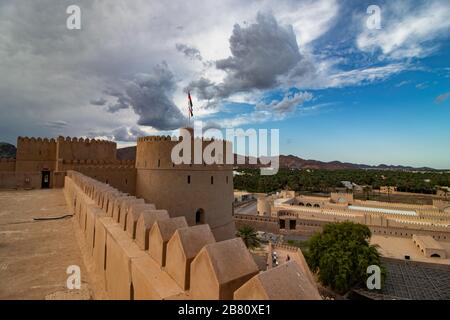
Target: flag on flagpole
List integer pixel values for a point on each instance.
(190, 105)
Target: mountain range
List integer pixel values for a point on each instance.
(294, 162)
(288, 162)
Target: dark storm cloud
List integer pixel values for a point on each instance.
(150, 97)
(122, 103)
(98, 102)
(122, 134)
(204, 88)
(190, 52)
(128, 134)
(261, 53)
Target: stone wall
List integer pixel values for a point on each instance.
(20, 180)
(202, 191)
(141, 253)
(7, 165)
(308, 225)
(85, 149)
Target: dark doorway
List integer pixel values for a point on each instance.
(435, 255)
(45, 183)
(200, 216)
(282, 224)
(292, 224)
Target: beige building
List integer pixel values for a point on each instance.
(152, 229)
(305, 215)
(174, 261)
(388, 189)
(199, 192)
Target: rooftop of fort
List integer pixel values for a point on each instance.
(150, 255)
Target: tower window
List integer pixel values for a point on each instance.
(200, 216)
(212, 180)
(159, 163)
(189, 179)
(227, 179)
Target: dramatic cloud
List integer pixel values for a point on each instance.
(190, 52)
(260, 53)
(98, 102)
(103, 76)
(151, 97)
(128, 134)
(263, 54)
(122, 102)
(121, 134)
(441, 98)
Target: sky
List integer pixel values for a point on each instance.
(336, 84)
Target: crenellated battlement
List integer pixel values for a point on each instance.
(36, 140)
(152, 256)
(84, 140)
(104, 163)
(155, 152)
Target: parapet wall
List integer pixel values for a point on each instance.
(7, 164)
(122, 178)
(154, 152)
(36, 149)
(85, 149)
(141, 253)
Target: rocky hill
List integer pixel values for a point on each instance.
(294, 162)
(7, 150)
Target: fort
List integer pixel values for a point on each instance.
(156, 229)
(291, 214)
(153, 229)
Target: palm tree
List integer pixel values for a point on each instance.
(249, 236)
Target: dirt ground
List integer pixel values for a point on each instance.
(35, 255)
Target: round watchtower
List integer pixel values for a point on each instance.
(201, 192)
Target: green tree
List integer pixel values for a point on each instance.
(340, 255)
(249, 236)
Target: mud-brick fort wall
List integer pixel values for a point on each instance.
(35, 154)
(120, 177)
(201, 193)
(139, 252)
(95, 158)
(7, 164)
(85, 149)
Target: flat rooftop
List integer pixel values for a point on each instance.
(398, 248)
(428, 242)
(34, 255)
(382, 210)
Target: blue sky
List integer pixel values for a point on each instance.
(335, 88)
